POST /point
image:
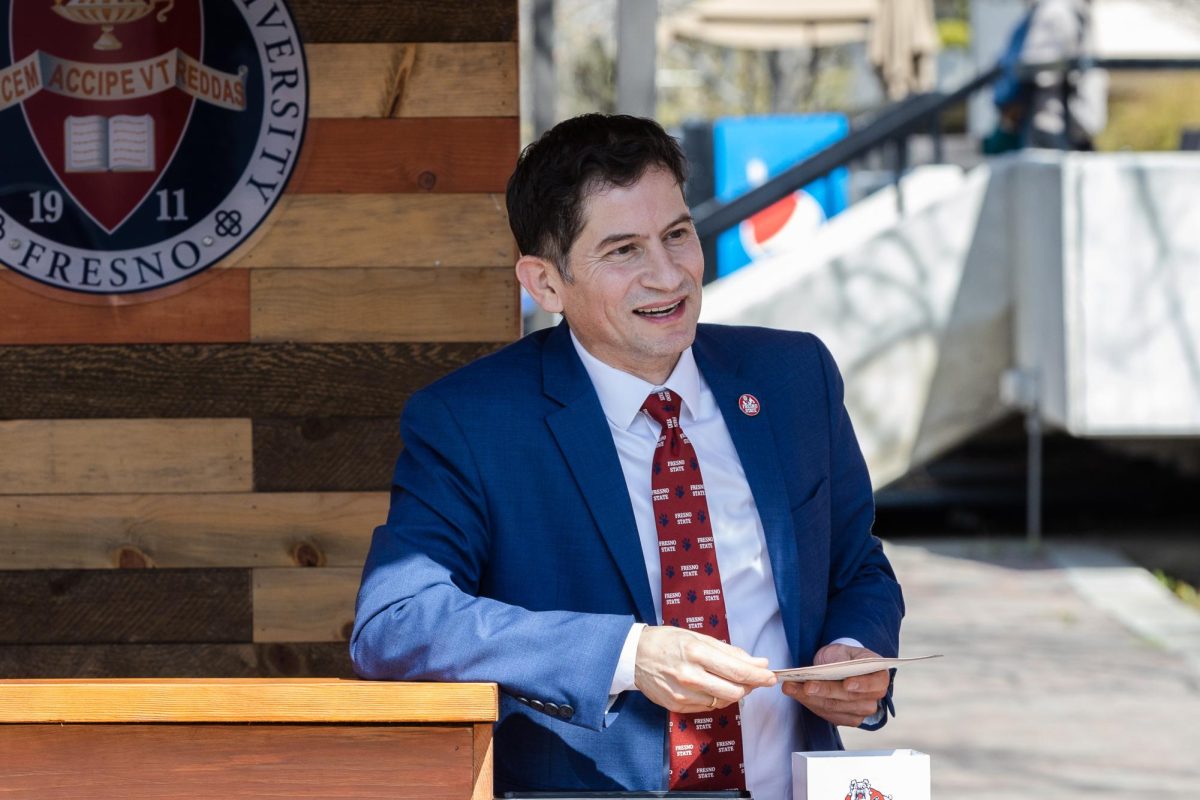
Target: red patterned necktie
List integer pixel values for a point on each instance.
(705, 748)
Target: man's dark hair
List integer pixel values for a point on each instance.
(556, 173)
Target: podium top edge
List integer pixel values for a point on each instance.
(186, 700)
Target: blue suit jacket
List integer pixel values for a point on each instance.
(510, 553)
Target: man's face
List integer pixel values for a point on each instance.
(637, 270)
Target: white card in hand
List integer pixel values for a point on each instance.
(844, 669)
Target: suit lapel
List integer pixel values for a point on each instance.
(754, 439)
(581, 431)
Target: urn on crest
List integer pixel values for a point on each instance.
(109, 13)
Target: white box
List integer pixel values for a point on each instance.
(860, 775)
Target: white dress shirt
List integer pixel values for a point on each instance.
(770, 719)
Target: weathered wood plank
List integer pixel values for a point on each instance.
(235, 380)
(399, 230)
(188, 530)
(410, 21)
(212, 308)
(413, 80)
(325, 454)
(274, 660)
(304, 605)
(230, 762)
(384, 305)
(85, 606)
(435, 154)
(114, 456)
(218, 700)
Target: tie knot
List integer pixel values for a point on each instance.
(663, 406)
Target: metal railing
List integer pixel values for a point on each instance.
(893, 127)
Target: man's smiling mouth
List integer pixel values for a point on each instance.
(660, 311)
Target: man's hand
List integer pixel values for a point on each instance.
(847, 702)
(688, 672)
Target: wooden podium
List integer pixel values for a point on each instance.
(235, 738)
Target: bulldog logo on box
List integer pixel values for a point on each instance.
(861, 790)
(143, 139)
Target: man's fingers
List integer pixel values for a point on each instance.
(685, 671)
(742, 652)
(875, 683)
(717, 670)
(732, 664)
(863, 708)
(873, 686)
(836, 710)
(713, 696)
(696, 690)
(705, 685)
(846, 702)
(833, 653)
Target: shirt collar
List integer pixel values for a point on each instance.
(622, 395)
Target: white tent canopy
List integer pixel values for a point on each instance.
(1146, 29)
(772, 24)
(901, 34)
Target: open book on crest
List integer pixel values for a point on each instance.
(109, 144)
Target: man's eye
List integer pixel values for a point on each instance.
(623, 250)
(678, 233)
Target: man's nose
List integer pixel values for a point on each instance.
(663, 270)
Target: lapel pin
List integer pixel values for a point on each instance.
(749, 405)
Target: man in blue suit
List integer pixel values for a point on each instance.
(523, 547)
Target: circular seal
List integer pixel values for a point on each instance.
(748, 403)
(144, 139)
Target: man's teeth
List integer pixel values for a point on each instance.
(662, 311)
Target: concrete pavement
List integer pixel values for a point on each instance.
(1066, 673)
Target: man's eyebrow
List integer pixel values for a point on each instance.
(613, 238)
(684, 217)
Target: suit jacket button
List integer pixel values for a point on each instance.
(538, 705)
(566, 712)
(552, 709)
(524, 700)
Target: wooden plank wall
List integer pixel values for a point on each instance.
(188, 486)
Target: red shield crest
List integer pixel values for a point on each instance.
(107, 126)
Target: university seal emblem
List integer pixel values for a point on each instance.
(143, 139)
(749, 405)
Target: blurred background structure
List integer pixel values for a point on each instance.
(1019, 331)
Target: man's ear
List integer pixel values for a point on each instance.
(541, 279)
